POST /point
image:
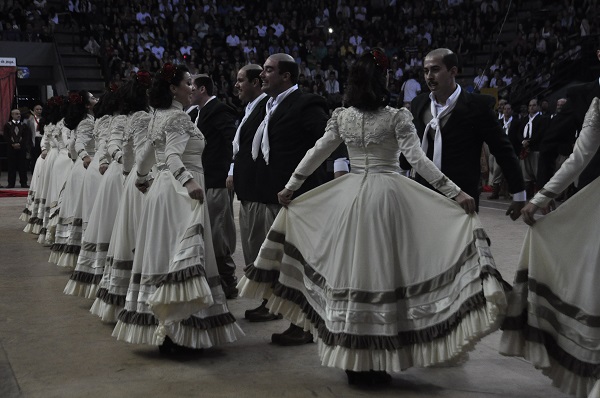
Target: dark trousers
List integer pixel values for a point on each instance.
(16, 160)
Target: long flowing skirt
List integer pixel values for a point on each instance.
(94, 246)
(175, 287)
(61, 170)
(385, 273)
(28, 213)
(91, 184)
(110, 297)
(67, 244)
(42, 192)
(553, 317)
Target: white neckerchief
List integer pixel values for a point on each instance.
(438, 112)
(249, 109)
(528, 127)
(261, 137)
(506, 125)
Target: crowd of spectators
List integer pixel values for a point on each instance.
(540, 49)
(217, 37)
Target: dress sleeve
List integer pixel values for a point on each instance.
(85, 134)
(178, 131)
(409, 144)
(115, 140)
(585, 147)
(144, 150)
(318, 154)
(45, 143)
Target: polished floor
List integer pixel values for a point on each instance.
(51, 346)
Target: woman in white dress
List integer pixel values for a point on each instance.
(55, 116)
(67, 243)
(102, 187)
(30, 213)
(174, 297)
(553, 317)
(110, 297)
(61, 171)
(385, 273)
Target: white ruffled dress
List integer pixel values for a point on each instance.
(384, 272)
(175, 288)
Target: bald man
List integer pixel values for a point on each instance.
(293, 122)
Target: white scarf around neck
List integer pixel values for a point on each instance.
(435, 125)
(249, 109)
(261, 137)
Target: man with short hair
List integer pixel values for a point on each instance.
(293, 122)
(526, 138)
(453, 125)
(216, 121)
(18, 138)
(507, 120)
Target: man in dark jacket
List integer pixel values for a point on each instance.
(18, 138)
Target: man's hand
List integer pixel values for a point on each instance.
(466, 202)
(16, 146)
(514, 210)
(86, 161)
(285, 197)
(229, 183)
(338, 174)
(43, 154)
(103, 168)
(194, 190)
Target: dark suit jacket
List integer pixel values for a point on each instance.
(297, 123)
(571, 116)
(539, 129)
(217, 123)
(471, 123)
(245, 179)
(17, 134)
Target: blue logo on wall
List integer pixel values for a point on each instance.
(22, 72)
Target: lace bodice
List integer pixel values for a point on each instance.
(84, 137)
(374, 141)
(136, 123)
(177, 142)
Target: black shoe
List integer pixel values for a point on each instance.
(10, 186)
(231, 292)
(24, 186)
(294, 335)
(368, 378)
(168, 348)
(261, 314)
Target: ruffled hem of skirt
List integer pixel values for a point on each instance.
(81, 289)
(182, 335)
(449, 349)
(515, 344)
(172, 302)
(108, 313)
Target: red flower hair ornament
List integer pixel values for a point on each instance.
(381, 60)
(75, 98)
(143, 77)
(167, 73)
